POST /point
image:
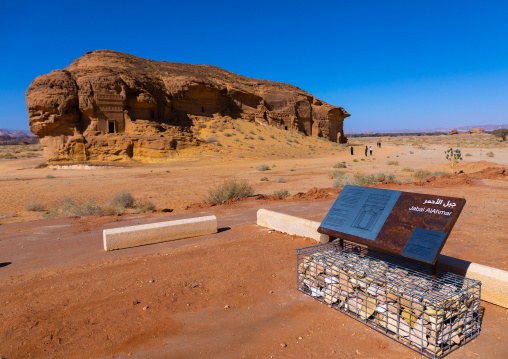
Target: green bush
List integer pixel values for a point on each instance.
(229, 189)
(262, 167)
(68, 207)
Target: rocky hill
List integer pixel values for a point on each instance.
(111, 106)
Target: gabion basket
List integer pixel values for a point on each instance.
(393, 295)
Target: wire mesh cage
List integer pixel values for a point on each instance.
(393, 295)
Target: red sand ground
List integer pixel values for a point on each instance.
(65, 297)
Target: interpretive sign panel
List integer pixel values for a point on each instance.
(412, 225)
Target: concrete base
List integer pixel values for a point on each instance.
(133, 236)
(494, 281)
(291, 225)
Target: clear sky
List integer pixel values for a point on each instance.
(390, 64)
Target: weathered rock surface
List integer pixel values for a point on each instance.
(476, 131)
(110, 106)
(453, 132)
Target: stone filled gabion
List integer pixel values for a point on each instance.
(393, 296)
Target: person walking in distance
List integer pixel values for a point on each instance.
(351, 150)
(370, 148)
(366, 149)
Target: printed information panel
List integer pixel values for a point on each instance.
(412, 225)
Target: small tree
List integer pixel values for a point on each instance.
(453, 156)
(502, 133)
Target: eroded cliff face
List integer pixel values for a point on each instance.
(111, 106)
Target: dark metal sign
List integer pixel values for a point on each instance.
(412, 225)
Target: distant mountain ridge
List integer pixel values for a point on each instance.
(15, 133)
(15, 137)
(441, 129)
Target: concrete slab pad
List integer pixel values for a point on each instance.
(125, 237)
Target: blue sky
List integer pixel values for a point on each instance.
(391, 64)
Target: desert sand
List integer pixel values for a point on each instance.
(232, 294)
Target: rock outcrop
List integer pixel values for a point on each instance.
(110, 106)
(453, 132)
(477, 131)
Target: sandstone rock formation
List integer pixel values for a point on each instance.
(110, 106)
(453, 132)
(476, 131)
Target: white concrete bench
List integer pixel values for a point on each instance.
(140, 235)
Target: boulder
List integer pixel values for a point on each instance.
(111, 106)
(453, 132)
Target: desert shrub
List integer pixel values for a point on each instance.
(262, 167)
(340, 165)
(357, 179)
(261, 138)
(8, 156)
(69, 207)
(408, 169)
(229, 189)
(355, 160)
(501, 133)
(218, 144)
(453, 157)
(411, 153)
(490, 154)
(421, 174)
(211, 139)
(228, 134)
(424, 174)
(392, 163)
(6, 215)
(281, 193)
(236, 139)
(201, 125)
(280, 180)
(252, 132)
(263, 179)
(240, 155)
(437, 174)
(50, 176)
(33, 206)
(335, 173)
(121, 200)
(295, 141)
(144, 206)
(250, 146)
(272, 136)
(41, 165)
(274, 165)
(468, 155)
(213, 131)
(386, 177)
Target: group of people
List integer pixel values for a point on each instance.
(367, 149)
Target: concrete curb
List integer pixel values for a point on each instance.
(125, 237)
(494, 281)
(290, 225)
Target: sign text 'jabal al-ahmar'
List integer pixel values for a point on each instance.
(412, 225)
